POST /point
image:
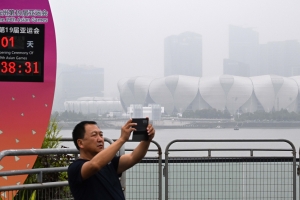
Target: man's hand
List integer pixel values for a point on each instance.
(128, 160)
(127, 129)
(151, 132)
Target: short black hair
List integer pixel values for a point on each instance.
(79, 131)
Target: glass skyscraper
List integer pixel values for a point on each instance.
(183, 54)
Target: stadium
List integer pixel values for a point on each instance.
(179, 93)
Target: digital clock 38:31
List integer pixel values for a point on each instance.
(22, 52)
(19, 67)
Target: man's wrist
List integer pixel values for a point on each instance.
(122, 140)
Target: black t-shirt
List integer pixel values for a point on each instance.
(105, 184)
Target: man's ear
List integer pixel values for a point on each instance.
(80, 143)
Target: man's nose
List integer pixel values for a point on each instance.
(100, 138)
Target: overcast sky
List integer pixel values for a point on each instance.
(126, 37)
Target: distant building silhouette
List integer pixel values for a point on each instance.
(183, 54)
(94, 105)
(244, 48)
(73, 82)
(280, 58)
(249, 58)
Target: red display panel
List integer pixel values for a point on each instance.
(27, 81)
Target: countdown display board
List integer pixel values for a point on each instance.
(27, 81)
(22, 52)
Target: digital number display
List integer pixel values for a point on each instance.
(22, 52)
(12, 42)
(20, 68)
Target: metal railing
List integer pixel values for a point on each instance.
(230, 177)
(128, 178)
(44, 190)
(149, 168)
(191, 176)
(144, 180)
(298, 173)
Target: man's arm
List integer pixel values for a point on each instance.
(105, 156)
(128, 160)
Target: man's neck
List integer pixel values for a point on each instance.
(85, 156)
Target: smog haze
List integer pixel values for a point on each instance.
(126, 38)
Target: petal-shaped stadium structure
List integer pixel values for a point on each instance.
(179, 93)
(185, 92)
(127, 96)
(286, 97)
(134, 90)
(239, 93)
(212, 92)
(161, 94)
(141, 89)
(264, 91)
(297, 80)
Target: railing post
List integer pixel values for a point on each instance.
(123, 177)
(40, 177)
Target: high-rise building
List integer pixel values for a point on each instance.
(244, 47)
(280, 58)
(73, 82)
(183, 54)
(83, 81)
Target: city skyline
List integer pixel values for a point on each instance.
(126, 38)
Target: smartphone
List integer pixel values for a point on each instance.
(141, 129)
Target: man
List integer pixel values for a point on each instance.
(95, 174)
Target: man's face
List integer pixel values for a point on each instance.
(93, 141)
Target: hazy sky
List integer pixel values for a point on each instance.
(126, 37)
